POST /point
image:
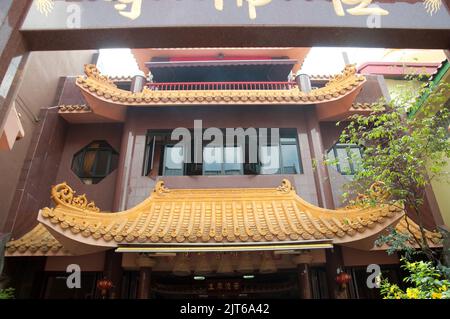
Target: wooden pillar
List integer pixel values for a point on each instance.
(144, 283)
(113, 271)
(304, 280)
(334, 261)
(145, 264)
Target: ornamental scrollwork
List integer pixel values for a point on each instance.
(160, 188)
(376, 193)
(93, 72)
(63, 194)
(285, 187)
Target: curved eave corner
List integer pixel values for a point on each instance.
(102, 94)
(37, 242)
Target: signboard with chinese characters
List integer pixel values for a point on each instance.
(88, 14)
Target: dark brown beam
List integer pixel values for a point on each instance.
(175, 37)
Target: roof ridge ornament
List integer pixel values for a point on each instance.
(93, 72)
(160, 188)
(286, 186)
(376, 194)
(63, 195)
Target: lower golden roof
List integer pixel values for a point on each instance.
(209, 217)
(37, 242)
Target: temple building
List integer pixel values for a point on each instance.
(106, 185)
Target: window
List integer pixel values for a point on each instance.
(165, 157)
(173, 161)
(218, 160)
(347, 158)
(282, 156)
(94, 162)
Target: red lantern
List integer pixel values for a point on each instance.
(343, 279)
(104, 285)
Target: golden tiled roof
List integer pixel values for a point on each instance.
(74, 108)
(103, 88)
(213, 216)
(363, 106)
(407, 226)
(36, 242)
(206, 216)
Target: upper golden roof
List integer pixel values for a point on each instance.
(103, 88)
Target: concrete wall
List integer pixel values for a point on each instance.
(39, 89)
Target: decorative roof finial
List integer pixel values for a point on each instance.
(160, 188)
(63, 194)
(285, 186)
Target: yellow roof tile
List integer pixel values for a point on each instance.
(205, 217)
(103, 88)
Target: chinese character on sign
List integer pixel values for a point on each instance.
(132, 12)
(361, 8)
(252, 4)
(132, 9)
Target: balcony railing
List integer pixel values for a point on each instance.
(188, 86)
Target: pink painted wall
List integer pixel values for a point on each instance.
(133, 188)
(78, 136)
(92, 262)
(356, 257)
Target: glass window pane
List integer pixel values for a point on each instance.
(173, 161)
(331, 155)
(77, 164)
(101, 163)
(355, 157)
(344, 164)
(289, 158)
(212, 160)
(233, 163)
(89, 163)
(269, 157)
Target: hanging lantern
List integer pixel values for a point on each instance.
(342, 279)
(104, 285)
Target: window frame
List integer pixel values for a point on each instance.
(79, 170)
(349, 159)
(183, 165)
(246, 168)
(223, 163)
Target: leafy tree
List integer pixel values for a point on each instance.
(7, 293)
(426, 282)
(404, 153)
